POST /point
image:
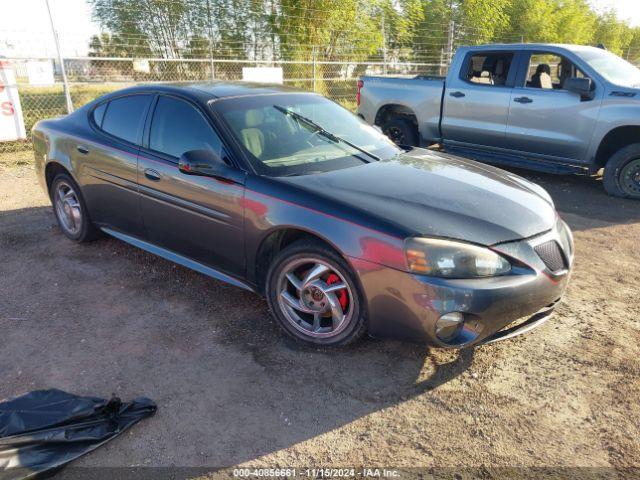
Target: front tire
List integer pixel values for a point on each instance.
(402, 131)
(70, 209)
(314, 296)
(622, 173)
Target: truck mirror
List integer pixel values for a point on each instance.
(581, 86)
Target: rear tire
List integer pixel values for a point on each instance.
(622, 173)
(70, 209)
(402, 131)
(312, 308)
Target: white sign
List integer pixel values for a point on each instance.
(262, 74)
(11, 121)
(40, 72)
(141, 65)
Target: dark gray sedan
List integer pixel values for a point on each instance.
(289, 195)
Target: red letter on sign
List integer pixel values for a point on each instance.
(7, 108)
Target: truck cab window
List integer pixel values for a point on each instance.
(548, 71)
(489, 68)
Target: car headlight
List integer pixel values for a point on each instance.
(450, 259)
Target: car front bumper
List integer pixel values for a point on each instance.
(406, 306)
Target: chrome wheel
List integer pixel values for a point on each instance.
(67, 208)
(314, 297)
(630, 178)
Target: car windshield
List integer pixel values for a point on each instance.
(296, 134)
(611, 67)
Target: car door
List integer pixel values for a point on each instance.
(198, 217)
(544, 118)
(107, 162)
(476, 101)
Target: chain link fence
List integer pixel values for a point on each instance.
(91, 77)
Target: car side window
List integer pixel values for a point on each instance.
(491, 69)
(549, 71)
(124, 116)
(98, 114)
(178, 127)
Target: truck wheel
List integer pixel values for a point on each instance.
(402, 131)
(622, 173)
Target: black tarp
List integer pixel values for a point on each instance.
(44, 430)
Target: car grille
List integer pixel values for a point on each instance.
(552, 256)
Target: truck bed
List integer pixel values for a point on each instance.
(422, 94)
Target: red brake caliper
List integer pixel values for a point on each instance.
(343, 298)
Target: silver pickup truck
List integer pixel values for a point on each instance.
(555, 108)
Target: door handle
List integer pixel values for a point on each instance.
(523, 100)
(457, 94)
(82, 149)
(152, 175)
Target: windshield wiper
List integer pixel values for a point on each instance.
(320, 130)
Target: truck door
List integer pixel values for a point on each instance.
(476, 99)
(544, 118)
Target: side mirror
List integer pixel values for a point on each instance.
(207, 163)
(581, 86)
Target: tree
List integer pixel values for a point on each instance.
(107, 45)
(613, 34)
(354, 30)
(160, 24)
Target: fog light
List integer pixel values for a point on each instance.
(449, 326)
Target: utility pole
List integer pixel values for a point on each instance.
(213, 70)
(65, 82)
(313, 64)
(384, 46)
(452, 27)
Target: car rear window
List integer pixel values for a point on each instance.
(123, 117)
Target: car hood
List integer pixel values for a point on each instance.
(435, 194)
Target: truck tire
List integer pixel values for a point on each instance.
(622, 173)
(402, 131)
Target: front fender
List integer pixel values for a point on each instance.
(265, 213)
(614, 114)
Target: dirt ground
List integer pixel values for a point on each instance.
(107, 318)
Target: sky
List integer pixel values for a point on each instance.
(626, 9)
(25, 28)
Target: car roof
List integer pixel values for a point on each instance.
(530, 46)
(205, 91)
